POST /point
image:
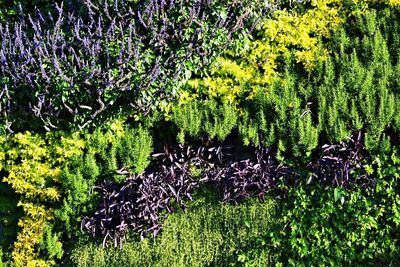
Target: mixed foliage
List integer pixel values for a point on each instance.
(339, 226)
(209, 233)
(166, 120)
(137, 203)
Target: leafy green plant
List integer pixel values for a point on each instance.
(339, 227)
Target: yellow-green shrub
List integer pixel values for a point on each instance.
(33, 165)
(25, 252)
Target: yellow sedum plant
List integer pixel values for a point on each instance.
(33, 163)
(239, 77)
(300, 32)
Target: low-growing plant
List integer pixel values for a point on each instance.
(209, 233)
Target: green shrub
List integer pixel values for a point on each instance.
(357, 87)
(198, 118)
(50, 243)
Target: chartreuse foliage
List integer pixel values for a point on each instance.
(33, 166)
(32, 160)
(208, 234)
(6, 10)
(236, 77)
